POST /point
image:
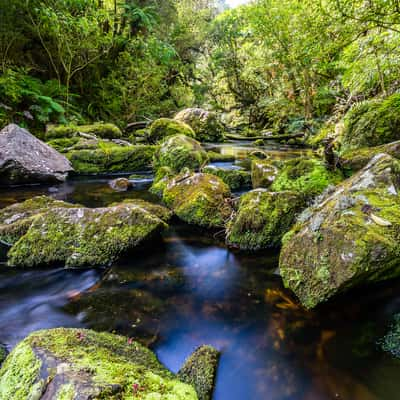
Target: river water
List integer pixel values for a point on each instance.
(188, 289)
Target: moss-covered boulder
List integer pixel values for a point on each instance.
(112, 158)
(160, 211)
(206, 124)
(309, 177)
(180, 151)
(235, 178)
(263, 173)
(199, 199)
(349, 237)
(161, 178)
(81, 237)
(262, 219)
(352, 161)
(101, 130)
(163, 127)
(66, 364)
(372, 123)
(199, 371)
(16, 219)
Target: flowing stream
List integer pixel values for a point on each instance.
(188, 289)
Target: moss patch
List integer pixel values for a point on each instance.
(179, 151)
(307, 176)
(101, 130)
(262, 219)
(349, 237)
(206, 124)
(112, 158)
(163, 127)
(372, 123)
(199, 199)
(94, 365)
(16, 219)
(263, 173)
(199, 371)
(235, 178)
(82, 237)
(391, 341)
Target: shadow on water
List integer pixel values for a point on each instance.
(187, 289)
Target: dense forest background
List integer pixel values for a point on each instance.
(283, 65)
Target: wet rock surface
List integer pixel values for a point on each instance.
(348, 238)
(26, 159)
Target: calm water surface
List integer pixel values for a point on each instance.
(187, 290)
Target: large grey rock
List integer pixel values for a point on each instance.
(348, 238)
(26, 159)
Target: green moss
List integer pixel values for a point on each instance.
(20, 375)
(62, 145)
(199, 199)
(180, 151)
(325, 132)
(235, 178)
(353, 160)
(263, 173)
(99, 365)
(199, 371)
(83, 237)
(215, 157)
(101, 130)
(372, 123)
(16, 219)
(307, 176)
(259, 142)
(161, 179)
(3, 354)
(347, 238)
(156, 209)
(112, 158)
(164, 127)
(206, 124)
(262, 219)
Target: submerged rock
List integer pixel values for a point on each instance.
(263, 173)
(391, 341)
(120, 184)
(112, 158)
(199, 199)
(83, 364)
(206, 124)
(348, 238)
(180, 151)
(163, 127)
(26, 159)
(199, 371)
(262, 219)
(80, 237)
(309, 177)
(235, 178)
(16, 219)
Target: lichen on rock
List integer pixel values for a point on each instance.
(262, 219)
(348, 237)
(16, 219)
(199, 199)
(80, 237)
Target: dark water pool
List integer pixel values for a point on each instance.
(187, 289)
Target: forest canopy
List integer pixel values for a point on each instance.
(280, 65)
